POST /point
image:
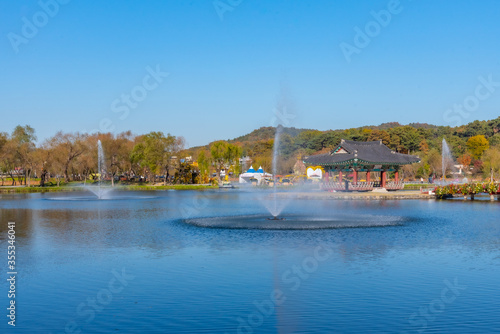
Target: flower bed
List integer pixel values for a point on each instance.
(465, 189)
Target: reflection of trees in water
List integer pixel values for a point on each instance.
(26, 257)
(22, 218)
(94, 229)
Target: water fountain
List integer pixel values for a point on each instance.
(294, 219)
(447, 162)
(98, 190)
(273, 207)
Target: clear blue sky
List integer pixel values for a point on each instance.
(225, 75)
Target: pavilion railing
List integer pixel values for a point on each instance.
(340, 186)
(332, 186)
(361, 186)
(394, 185)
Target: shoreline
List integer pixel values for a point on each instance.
(71, 188)
(319, 195)
(396, 195)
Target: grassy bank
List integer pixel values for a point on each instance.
(25, 189)
(417, 186)
(168, 187)
(74, 187)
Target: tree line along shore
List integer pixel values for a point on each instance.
(162, 159)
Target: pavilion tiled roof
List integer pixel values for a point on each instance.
(363, 153)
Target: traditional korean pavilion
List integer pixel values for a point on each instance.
(354, 157)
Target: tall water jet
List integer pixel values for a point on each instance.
(275, 206)
(100, 166)
(282, 117)
(447, 161)
(275, 211)
(98, 190)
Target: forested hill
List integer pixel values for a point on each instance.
(266, 133)
(415, 138)
(322, 139)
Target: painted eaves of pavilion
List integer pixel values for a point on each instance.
(354, 157)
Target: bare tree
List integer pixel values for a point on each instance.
(65, 148)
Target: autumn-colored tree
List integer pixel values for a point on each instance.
(87, 161)
(65, 148)
(365, 134)
(41, 163)
(491, 162)
(424, 147)
(380, 135)
(477, 167)
(266, 162)
(465, 160)
(117, 149)
(477, 145)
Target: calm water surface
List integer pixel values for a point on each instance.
(133, 265)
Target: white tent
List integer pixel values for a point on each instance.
(254, 174)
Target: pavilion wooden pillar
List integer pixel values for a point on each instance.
(368, 176)
(340, 176)
(355, 177)
(396, 176)
(383, 178)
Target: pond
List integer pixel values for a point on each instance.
(159, 262)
